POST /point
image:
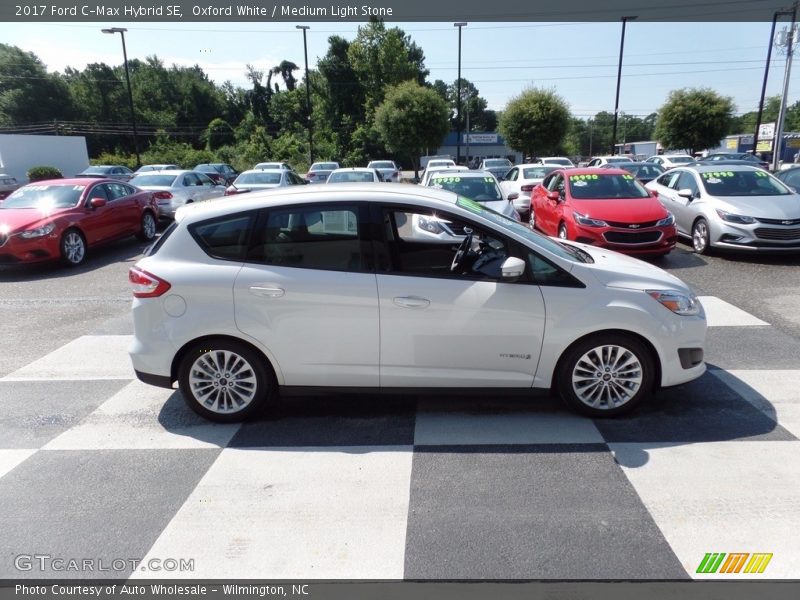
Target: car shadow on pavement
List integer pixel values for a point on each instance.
(705, 410)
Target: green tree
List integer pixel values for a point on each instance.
(218, 133)
(411, 118)
(694, 119)
(28, 94)
(535, 122)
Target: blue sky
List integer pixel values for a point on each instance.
(578, 60)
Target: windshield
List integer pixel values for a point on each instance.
(324, 167)
(258, 178)
(381, 164)
(606, 187)
(743, 183)
(44, 197)
(480, 189)
(269, 166)
(497, 162)
(441, 163)
(153, 180)
(558, 161)
(681, 159)
(537, 172)
(644, 171)
(97, 170)
(565, 252)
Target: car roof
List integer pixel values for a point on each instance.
(711, 168)
(75, 181)
(279, 171)
(364, 169)
(169, 172)
(308, 194)
(465, 173)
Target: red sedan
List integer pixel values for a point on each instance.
(607, 208)
(61, 218)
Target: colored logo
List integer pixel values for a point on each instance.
(735, 562)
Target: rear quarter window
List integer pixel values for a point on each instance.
(225, 237)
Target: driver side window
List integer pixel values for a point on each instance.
(435, 244)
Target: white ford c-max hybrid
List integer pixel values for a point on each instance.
(369, 288)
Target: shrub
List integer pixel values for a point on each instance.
(43, 172)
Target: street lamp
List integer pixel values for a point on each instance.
(619, 77)
(308, 97)
(460, 24)
(121, 31)
(766, 75)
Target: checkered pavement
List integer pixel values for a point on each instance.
(95, 464)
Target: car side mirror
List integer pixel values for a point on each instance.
(553, 196)
(654, 193)
(513, 196)
(98, 202)
(512, 269)
(686, 193)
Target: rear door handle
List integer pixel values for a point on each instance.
(411, 302)
(268, 291)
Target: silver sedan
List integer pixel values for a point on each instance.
(172, 189)
(731, 206)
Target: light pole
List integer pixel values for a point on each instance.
(308, 97)
(777, 145)
(121, 31)
(619, 78)
(460, 24)
(766, 75)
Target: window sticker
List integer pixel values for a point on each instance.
(580, 183)
(446, 179)
(583, 177)
(489, 179)
(469, 204)
(627, 176)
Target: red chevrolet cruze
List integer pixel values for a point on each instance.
(603, 207)
(61, 218)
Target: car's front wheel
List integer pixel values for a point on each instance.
(562, 231)
(73, 248)
(701, 239)
(224, 380)
(606, 375)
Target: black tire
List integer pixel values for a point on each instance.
(73, 248)
(613, 392)
(207, 390)
(562, 231)
(701, 239)
(147, 231)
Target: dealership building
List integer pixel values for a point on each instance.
(477, 145)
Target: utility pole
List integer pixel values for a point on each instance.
(619, 80)
(777, 144)
(308, 98)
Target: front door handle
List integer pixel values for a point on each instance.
(268, 291)
(411, 302)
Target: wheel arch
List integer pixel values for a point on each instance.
(623, 332)
(181, 353)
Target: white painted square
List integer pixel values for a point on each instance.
(9, 459)
(295, 513)
(443, 423)
(721, 497)
(135, 418)
(775, 392)
(86, 357)
(723, 314)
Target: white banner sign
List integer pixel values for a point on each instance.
(766, 131)
(480, 138)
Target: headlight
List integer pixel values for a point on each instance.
(584, 220)
(38, 232)
(678, 302)
(666, 221)
(732, 218)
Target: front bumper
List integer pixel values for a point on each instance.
(768, 237)
(644, 241)
(15, 249)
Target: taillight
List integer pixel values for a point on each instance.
(396, 174)
(162, 196)
(527, 188)
(146, 285)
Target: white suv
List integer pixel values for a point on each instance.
(367, 288)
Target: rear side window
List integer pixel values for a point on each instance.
(226, 238)
(153, 248)
(311, 237)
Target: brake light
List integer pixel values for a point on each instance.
(146, 285)
(527, 188)
(396, 173)
(162, 195)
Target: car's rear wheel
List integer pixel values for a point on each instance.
(606, 375)
(224, 380)
(148, 229)
(701, 239)
(73, 248)
(562, 231)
